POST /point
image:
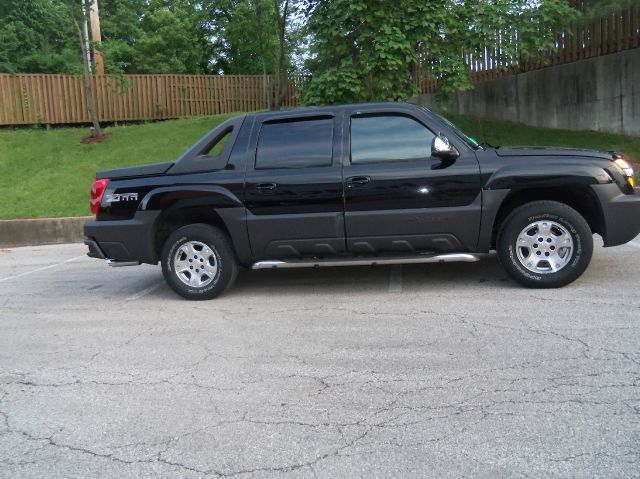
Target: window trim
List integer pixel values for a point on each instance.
(377, 114)
(211, 144)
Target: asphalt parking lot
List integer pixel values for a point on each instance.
(415, 371)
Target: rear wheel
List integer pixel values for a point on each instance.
(545, 244)
(198, 261)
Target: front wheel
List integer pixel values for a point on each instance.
(545, 244)
(198, 261)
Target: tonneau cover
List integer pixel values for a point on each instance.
(143, 170)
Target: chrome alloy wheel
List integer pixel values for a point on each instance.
(195, 264)
(544, 247)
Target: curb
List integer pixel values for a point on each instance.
(41, 231)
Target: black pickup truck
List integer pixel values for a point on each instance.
(378, 183)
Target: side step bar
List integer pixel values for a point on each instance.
(319, 263)
(114, 263)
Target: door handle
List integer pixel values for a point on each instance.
(265, 186)
(357, 181)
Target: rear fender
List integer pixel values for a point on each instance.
(197, 195)
(227, 206)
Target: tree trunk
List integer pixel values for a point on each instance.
(96, 131)
(263, 54)
(282, 66)
(265, 85)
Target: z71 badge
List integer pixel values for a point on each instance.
(114, 198)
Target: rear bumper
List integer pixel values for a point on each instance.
(95, 251)
(128, 240)
(621, 214)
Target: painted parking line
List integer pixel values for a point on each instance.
(42, 269)
(395, 279)
(145, 291)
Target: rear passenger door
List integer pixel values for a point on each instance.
(293, 188)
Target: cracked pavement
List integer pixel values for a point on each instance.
(420, 371)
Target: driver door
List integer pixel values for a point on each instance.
(400, 199)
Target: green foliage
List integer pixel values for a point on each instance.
(249, 37)
(593, 9)
(157, 36)
(144, 36)
(190, 36)
(37, 36)
(362, 51)
(374, 44)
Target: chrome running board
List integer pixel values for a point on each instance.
(320, 263)
(114, 263)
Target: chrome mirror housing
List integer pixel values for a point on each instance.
(441, 148)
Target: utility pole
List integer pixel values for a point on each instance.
(96, 37)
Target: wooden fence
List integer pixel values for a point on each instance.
(59, 99)
(612, 33)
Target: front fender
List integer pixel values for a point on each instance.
(514, 177)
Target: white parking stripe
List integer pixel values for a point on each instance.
(634, 243)
(395, 279)
(145, 291)
(42, 269)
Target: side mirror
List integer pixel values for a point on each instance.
(441, 148)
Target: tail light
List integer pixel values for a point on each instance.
(97, 192)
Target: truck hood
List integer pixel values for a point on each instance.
(552, 151)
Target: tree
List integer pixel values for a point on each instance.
(366, 49)
(282, 13)
(36, 36)
(156, 36)
(120, 25)
(247, 30)
(79, 13)
(159, 36)
(259, 37)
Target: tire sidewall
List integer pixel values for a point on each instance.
(581, 255)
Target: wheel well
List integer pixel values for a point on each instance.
(172, 219)
(580, 199)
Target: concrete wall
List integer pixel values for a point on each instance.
(601, 93)
(42, 231)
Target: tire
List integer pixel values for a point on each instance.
(544, 244)
(198, 262)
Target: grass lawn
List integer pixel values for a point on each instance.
(506, 133)
(49, 173)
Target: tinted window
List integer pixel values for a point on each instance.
(219, 145)
(296, 144)
(388, 138)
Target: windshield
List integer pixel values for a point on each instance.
(463, 136)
